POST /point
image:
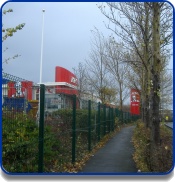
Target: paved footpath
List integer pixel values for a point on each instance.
(115, 156)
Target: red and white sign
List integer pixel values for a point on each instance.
(135, 102)
(20, 89)
(68, 82)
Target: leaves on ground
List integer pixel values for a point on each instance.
(163, 155)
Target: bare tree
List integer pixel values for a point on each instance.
(132, 23)
(98, 76)
(115, 63)
(166, 90)
(80, 72)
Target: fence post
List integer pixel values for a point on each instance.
(89, 125)
(109, 120)
(124, 118)
(113, 119)
(41, 129)
(98, 124)
(104, 119)
(74, 129)
(129, 118)
(121, 114)
(117, 113)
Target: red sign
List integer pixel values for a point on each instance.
(69, 79)
(64, 75)
(20, 89)
(135, 102)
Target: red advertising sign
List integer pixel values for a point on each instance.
(69, 79)
(20, 89)
(64, 75)
(135, 102)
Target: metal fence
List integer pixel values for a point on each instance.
(63, 135)
(19, 134)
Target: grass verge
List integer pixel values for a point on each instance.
(141, 141)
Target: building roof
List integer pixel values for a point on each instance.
(60, 84)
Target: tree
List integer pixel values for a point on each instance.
(146, 31)
(9, 32)
(161, 37)
(115, 63)
(80, 72)
(155, 75)
(98, 76)
(132, 23)
(108, 95)
(132, 29)
(166, 91)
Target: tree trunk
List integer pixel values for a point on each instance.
(155, 89)
(146, 70)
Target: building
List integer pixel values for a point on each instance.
(58, 94)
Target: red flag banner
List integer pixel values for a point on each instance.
(135, 102)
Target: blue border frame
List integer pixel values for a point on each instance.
(87, 174)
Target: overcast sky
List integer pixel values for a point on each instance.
(67, 34)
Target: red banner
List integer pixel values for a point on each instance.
(135, 102)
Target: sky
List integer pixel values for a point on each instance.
(66, 42)
(66, 39)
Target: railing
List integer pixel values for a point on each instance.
(62, 137)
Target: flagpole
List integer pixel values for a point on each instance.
(42, 37)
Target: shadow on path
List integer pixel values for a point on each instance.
(115, 156)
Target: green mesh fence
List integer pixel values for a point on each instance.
(72, 127)
(19, 135)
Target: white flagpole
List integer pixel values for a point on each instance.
(42, 37)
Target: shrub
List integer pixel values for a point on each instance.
(141, 142)
(163, 155)
(20, 144)
(19, 141)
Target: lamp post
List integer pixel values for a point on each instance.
(42, 35)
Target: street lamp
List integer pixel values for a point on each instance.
(42, 35)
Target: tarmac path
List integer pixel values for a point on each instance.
(115, 156)
(169, 124)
